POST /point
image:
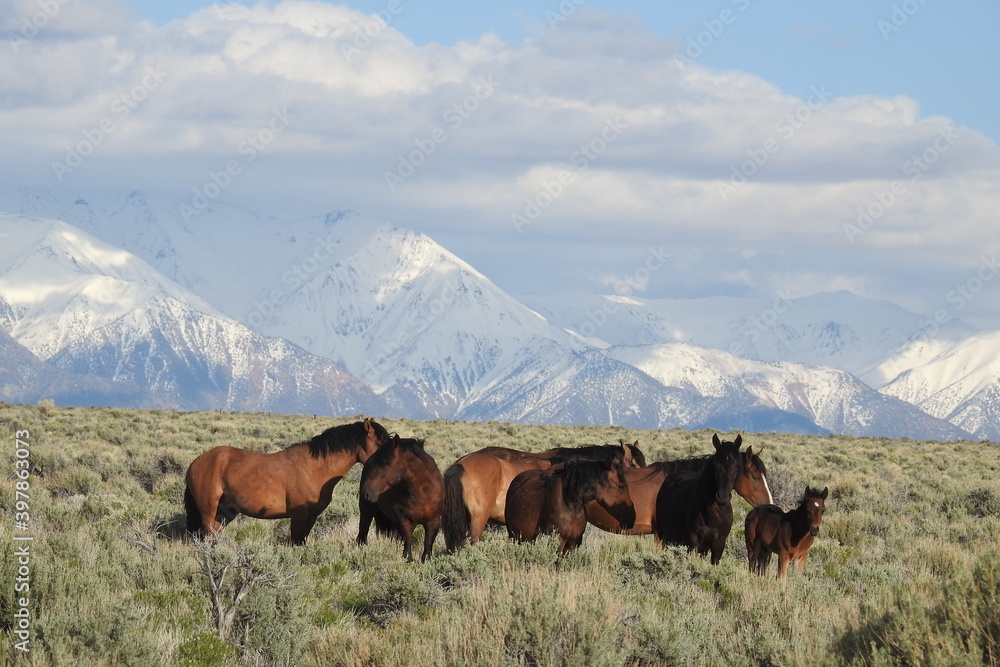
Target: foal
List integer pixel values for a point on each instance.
(788, 534)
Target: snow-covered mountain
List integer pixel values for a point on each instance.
(91, 309)
(837, 329)
(959, 383)
(342, 314)
(793, 393)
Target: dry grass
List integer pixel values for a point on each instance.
(905, 570)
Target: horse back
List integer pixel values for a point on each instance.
(764, 524)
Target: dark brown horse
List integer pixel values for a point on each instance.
(645, 483)
(789, 534)
(295, 483)
(696, 510)
(553, 500)
(401, 488)
(476, 484)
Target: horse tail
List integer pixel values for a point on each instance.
(456, 519)
(191, 509)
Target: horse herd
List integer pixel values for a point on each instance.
(685, 502)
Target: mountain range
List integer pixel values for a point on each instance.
(120, 300)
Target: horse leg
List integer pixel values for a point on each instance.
(477, 524)
(302, 524)
(783, 558)
(430, 534)
(406, 527)
(801, 562)
(365, 522)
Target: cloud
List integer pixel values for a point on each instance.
(457, 140)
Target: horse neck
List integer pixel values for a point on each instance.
(337, 464)
(574, 503)
(798, 518)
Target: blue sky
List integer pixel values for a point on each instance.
(944, 55)
(766, 148)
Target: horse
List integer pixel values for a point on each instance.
(788, 534)
(696, 509)
(476, 484)
(645, 483)
(296, 482)
(401, 488)
(553, 500)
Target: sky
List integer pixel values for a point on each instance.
(671, 149)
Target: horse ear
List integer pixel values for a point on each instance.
(825, 491)
(739, 440)
(716, 441)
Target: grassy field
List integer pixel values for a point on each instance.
(906, 569)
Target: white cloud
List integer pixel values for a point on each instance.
(364, 98)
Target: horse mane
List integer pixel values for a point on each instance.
(580, 477)
(693, 464)
(346, 437)
(600, 453)
(383, 455)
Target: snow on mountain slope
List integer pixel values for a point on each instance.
(828, 397)
(960, 383)
(89, 308)
(545, 385)
(388, 304)
(836, 329)
(24, 378)
(435, 338)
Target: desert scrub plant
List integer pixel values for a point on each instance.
(111, 548)
(255, 596)
(956, 624)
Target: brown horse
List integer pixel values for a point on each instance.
(295, 483)
(476, 485)
(401, 488)
(553, 500)
(788, 534)
(645, 483)
(696, 510)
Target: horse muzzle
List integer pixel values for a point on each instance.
(371, 495)
(626, 517)
(814, 530)
(723, 498)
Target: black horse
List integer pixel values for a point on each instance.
(695, 510)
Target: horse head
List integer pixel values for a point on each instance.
(614, 495)
(632, 455)
(752, 480)
(725, 466)
(814, 502)
(382, 470)
(375, 434)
